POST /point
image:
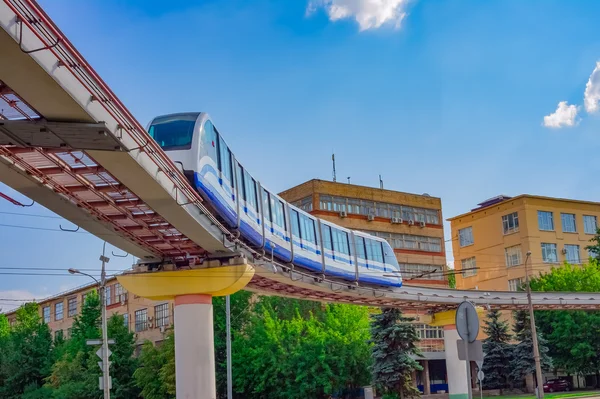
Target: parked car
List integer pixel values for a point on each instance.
(557, 385)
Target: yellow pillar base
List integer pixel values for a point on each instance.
(217, 281)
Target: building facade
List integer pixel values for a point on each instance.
(412, 224)
(490, 243)
(149, 320)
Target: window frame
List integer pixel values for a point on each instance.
(585, 224)
(461, 237)
(162, 314)
(142, 323)
(471, 264)
(46, 317)
(57, 313)
(545, 247)
(573, 219)
(577, 251)
(506, 222)
(70, 311)
(551, 219)
(508, 256)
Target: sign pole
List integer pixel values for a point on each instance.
(470, 391)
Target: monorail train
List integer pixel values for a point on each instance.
(265, 221)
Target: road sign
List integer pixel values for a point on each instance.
(99, 352)
(100, 365)
(101, 383)
(480, 375)
(98, 341)
(467, 321)
(475, 351)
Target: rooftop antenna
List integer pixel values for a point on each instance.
(380, 182)
(333, 159)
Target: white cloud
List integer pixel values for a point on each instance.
(591, 97)
(370, 14)
(11, 299)
(565, 115)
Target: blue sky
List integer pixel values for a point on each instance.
(444, 97)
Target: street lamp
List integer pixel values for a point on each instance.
(536, 350)
(102, 289)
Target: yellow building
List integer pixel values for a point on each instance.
(490, 243)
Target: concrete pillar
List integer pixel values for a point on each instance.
(194, 347)
(426, 380)
(456, 369)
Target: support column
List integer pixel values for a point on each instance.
(456, 369)
(194, 347)
(426, 380)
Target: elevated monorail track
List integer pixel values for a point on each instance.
(68, 143)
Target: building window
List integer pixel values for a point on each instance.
(161, 313)
(141, 320)
(407, 241)
(549, 253)
(545, 221)
(590, 224)
(515, 284)
(305, 204)
(46, 312)
(592, 254)
(72, 304)
(465, 236)
(58, 311)
(58, 334)
(380, 209)
(513, 256)
(568, 223)
(572, 253)
(108, 295)
(422, 271)
(469, 267)
(510, 223)
(126, 320)
(120, 293)
(425, 331)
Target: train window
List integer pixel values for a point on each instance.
(250, 191)
(340, 241)
(374, 250)
(240, 181)
(225, 161)
(360, 247)
(294, 222)
(174, 132)
(279, 213)
(327, 241)
(209, 142)
(266, 205)
(307, 229)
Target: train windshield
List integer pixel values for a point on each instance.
(173, 132)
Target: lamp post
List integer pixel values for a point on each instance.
(102, 287)
(534, 338)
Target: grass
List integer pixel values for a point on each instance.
(555, 395)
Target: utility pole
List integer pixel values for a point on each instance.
(105, 364)
(534, 338)
(228, 327)
(105, 352)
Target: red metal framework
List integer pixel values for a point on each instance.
(77, 177)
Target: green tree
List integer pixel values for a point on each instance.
(452, 280)
(4, 327)
(594, 247)
(394, 339)
(300, 357)
(498, 351)
(523, 363)
(571, 334)
(75, 374)
(155, 375)
(27, 354)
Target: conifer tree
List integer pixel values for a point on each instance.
(394, 340)
(498, 350)
(523, 363)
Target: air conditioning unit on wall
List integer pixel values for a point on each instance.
(343, 214)
(370, 217)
